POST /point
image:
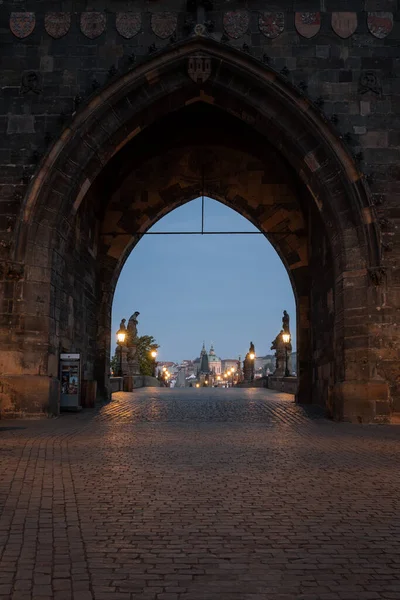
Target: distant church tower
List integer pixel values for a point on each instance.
(204, 368)
(214, 362)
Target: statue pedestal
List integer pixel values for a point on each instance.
(280, 355)
(130, 365)
(248, 366)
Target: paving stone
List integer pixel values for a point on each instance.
(201, 494)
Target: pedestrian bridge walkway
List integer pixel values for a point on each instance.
(244, 405)
(199, 495)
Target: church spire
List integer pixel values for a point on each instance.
(204, 366)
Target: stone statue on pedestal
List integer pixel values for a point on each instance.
(285, 322)
(130, 364)
(248, 365)
(281, 348)
(132, 328)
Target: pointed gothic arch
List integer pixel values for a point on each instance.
(136, 150)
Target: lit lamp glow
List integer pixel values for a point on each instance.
(286, 341)
(252, 356)
(153, 354)
(121, 335)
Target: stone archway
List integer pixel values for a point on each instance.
(292, 178)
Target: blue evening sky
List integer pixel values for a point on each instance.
(228, 290)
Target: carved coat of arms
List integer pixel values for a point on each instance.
(31, 82)
(271, 24)
(57, 24)
(128, 24)
(164, 24)
(308, 23)
(22, 23)
(236, 23)
(380, 24)
(92, 24)
(199, 68)
(344, 24)
(369, 82)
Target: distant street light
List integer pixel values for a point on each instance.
(153, 355)
(121, 335)
(252, 356)
(286, 341)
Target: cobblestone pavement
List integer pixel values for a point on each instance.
(199, 495)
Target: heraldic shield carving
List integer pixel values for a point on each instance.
(22, 23)
(380, 24)
(236, 23)
(271, 24)
(199, 68)
(164, 24)
(344, 23)
(128, 24)
(57, 24)
(92, 24)
(308, 23)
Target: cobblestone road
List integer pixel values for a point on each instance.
(199, 495)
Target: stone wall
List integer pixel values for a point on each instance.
(289, 385)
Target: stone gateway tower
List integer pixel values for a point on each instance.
(114, 114)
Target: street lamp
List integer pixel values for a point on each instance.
(167, 375)
(286, 341)
(121, 335)
(252, 356)
(232, 372)
(153, 355)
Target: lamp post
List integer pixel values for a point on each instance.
(121, 335)
(153, 355)
(239, 369)
(286, 341)
(252, 356)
